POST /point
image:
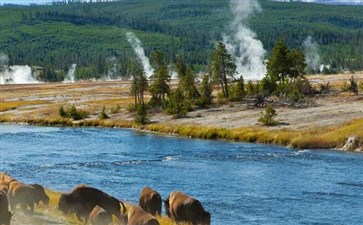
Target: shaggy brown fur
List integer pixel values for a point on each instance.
(137, 216)
(5, 215)
(150, 201)
(99, 216)
(82, 199)
(181, 207)
(26, 195)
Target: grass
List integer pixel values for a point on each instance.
(316, 138)
(10, 105)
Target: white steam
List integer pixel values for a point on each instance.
(139, 51)
(311, 51)
(4, 59)
(112, 72)
(242, 42)
(70, 77)
(17, 75)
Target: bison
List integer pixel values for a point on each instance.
(4, 188)
(82, 200)
(5, 215)
(99, 216)
(150, 201)
(6, 179)
(26, 195)
(137, 216)
(183, 208)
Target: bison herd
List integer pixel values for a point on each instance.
(95, 207)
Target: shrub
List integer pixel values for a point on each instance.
(325, 88)
(131, 108)
(141, 114)
(177, 104)
(115, 109)
(72, 113)
(77, 114)
(206, 90)
(103, 115)
(352, 86)
(267, 117)
(237, 92)
(62, 112)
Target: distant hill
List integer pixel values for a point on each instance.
(92, 35)
(328, 2)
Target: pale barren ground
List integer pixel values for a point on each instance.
(328, 110)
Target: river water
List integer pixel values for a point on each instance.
(238, 183)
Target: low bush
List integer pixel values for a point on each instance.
(267, 117)
(103, 115)
(115, 109)
(73, 113)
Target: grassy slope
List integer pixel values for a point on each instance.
(190, 27)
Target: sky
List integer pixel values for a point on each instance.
(26, 2)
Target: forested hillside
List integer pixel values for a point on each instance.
(93, 35)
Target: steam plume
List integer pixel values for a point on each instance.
(17, 75)
(4, 59)
(139, 51)
(242, 42)
(311, 51)
(70, 75)
(111, 73)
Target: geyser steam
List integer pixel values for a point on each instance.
(139, 51)
(70, 75)
(17, 75)
(242, 42)
(311, 51)
(4, 59)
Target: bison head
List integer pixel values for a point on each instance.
(41, 196)
(206, 218)
(63, 203)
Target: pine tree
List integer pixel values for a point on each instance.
(138, 87)
(206, 90)
(278, 65)
(160, 80)
(223, 67)
(186, 80)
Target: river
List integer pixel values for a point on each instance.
(238, 183)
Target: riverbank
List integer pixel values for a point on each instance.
(45, 215)
(328, 124)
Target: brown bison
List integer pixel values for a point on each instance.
(137, 216)
(4, 188)
(183, 208)
(6, 179)
(82, 200)
(150, 201)
(5, 215)
(99, 216)
(26, 195)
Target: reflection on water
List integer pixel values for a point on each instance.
(238, 183)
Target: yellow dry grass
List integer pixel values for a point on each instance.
(315, 138)
(10, 105)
